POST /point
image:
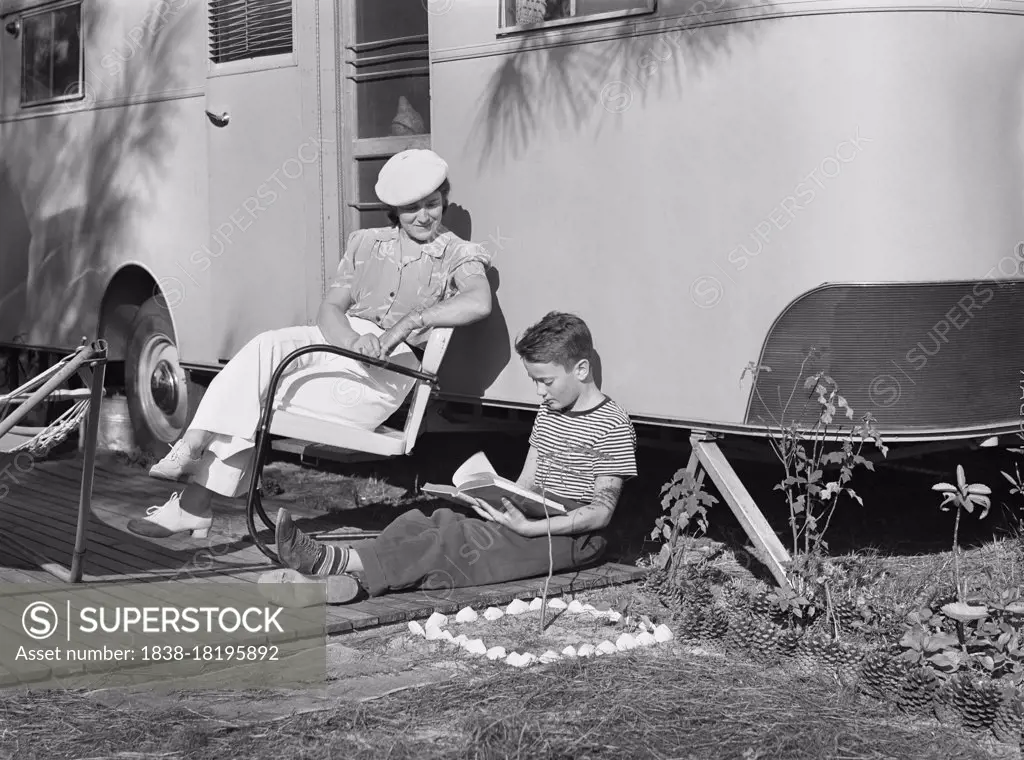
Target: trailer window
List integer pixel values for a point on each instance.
(51, 55)
(387, 94)
(390, 68)
(532, 14)
(241, 29)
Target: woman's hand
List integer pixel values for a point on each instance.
(368, 345)
(401, 330)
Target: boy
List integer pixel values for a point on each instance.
(582, 447)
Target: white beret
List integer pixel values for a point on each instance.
(410, 176)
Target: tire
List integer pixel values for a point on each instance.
(161, 400)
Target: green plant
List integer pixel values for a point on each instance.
(686, 502)
(1017, 490)
(805, 456)
(965, 496)
(798, 609)
(925, 643)
(818, 463)
(983, 636)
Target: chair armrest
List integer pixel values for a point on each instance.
(330, 349)
(437, 345)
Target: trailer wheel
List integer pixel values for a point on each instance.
(158, 391)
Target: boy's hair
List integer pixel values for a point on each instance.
(558, 338)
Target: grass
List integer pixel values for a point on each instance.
(656, 704)
(673, 701)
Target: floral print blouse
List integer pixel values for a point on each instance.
(384, 288)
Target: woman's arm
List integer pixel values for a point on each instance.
(332, 318)
(470, 304)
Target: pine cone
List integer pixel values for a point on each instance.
(761, 606)
(756, 635)
(819, 626)
(675, 599)
(659, 583)
(807, 655)
(765, 608)
(710, 624)
(733, 598)
(655, 580)
(950, 701)
(836, 654)
(843, 658)
(847, 613)
(689, 622)
(700, 592)
(917, 690)
(788, 642)
(1008, 725)
(882, 676)
(982, 704)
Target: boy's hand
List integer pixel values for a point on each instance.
(484, 510)
(511, 517)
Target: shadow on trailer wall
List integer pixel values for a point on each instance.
(81, 177)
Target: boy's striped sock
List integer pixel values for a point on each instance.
(300, 552)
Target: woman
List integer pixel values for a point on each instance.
(392, 286)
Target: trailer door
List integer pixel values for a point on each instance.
(260, 159)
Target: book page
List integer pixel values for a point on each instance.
(443, 492)
(473, 468)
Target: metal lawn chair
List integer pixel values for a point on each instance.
(384, 441)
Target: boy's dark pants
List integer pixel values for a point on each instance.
(450, 550)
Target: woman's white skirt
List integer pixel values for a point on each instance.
(320, 384)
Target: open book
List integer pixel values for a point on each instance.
(476, 477)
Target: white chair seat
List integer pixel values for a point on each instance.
(304, 426)
(300, 423)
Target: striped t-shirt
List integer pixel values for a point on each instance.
(574, 448)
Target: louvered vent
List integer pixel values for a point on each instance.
(929, 356)
(249, 29)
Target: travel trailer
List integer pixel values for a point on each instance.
(709, 183)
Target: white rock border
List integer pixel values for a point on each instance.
(434, 630)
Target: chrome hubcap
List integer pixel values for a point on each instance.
(162, 388)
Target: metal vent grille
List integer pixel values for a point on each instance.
(249, 29)
(921, 357)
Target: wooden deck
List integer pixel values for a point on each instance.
(38, 515)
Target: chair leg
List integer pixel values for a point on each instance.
(253, 502)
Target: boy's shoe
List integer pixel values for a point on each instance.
(297, 551)
(169, 519)
(290, 588)
(177, 463)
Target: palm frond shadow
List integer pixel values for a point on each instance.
(567, 85)
(103, 165)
